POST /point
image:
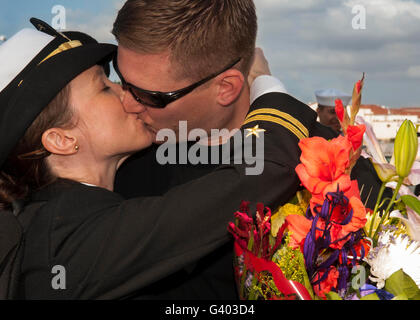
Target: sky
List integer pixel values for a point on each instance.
(310, 44)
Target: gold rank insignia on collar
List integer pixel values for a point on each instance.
(276, 116)
(254, 131)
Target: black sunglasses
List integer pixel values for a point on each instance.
(157, 99)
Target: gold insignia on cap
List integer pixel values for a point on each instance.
(63, 47)
(254, 131)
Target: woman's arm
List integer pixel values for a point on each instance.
(127, 245)
(150, 238)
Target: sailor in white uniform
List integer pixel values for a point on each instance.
(326, 106)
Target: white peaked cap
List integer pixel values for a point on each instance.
(18, 51)
(327, 97)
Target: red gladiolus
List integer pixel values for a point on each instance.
(363, 243)
(355, 135)
(326, 285)
(339, 233)
(323, 164)
(358, 86)
(299, 227)
(339, 110)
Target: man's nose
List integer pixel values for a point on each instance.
(130, 104)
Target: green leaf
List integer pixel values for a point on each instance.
(412, 202)
(372, 296)
(399, 284)
(333, 296)
(294, 200)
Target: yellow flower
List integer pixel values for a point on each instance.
(375, 222)
(398, 229)
(278, 218)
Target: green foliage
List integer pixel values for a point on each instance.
(265, 288)
(401, 285)
(333, 296)
(292, 263)
(372, 296)
(412, 202)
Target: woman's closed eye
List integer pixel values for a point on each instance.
(106, 86)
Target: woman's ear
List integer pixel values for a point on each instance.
(230, 87)
(59, 141)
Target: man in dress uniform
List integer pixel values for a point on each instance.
(326, 106)
(188, 61)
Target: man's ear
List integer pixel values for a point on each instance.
(59, 141)
(231, 84)
(319, 110)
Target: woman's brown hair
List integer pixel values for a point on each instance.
(26, 168)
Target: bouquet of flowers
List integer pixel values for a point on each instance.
(324, 243)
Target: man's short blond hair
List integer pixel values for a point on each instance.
(202, 36)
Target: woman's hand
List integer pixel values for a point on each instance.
(259, 67)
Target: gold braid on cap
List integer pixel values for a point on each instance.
(71, 44)
(63, 47)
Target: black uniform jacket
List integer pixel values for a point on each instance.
(112, 248)
(285, 120)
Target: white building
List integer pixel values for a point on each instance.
(386, 122)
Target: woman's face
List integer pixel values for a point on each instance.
(102, 125)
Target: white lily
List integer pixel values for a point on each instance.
(386, 170)
(412, 223)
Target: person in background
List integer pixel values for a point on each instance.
(326, 106)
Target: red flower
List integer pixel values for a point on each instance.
(324, 164)
(328, 283)
(339, 110)
(358, 219)
(355, 135)
(246, 230)
(366, 247)
(363, 243)
(299, 227)
(339, 233)
(359, 86)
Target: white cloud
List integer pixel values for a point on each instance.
(315, 39)
(414, 72)
(288, 4)
(388, 9)
(98, 26)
